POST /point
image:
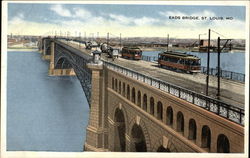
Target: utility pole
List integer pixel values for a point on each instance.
(218, 66)
(218, 69)
(79, 39)
(167, 42)
(108, 38)
(120, 41)
(208, 60)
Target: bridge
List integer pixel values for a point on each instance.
(133, 111)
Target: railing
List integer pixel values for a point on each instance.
(225, 74)
(149, 58)
(212, 71)
(233, 113)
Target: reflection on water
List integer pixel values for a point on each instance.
(43, 113)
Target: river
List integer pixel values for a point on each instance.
(43, 113)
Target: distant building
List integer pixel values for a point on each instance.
(204, 43)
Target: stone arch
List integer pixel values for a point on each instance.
(223, 145)
(169, 116)
(180, 122)
(152, 106)
(145, 101)
(133, 95)
(139, 98)
(119, 107)
(205, 137)
(192, 129)
(119, 131)
(144, 130)
(159, 110)
(128, 92)
(160, 147)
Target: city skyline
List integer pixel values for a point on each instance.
(130, 20)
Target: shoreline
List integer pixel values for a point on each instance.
(23, 49)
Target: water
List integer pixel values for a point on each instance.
(234, 62)
(43, 113)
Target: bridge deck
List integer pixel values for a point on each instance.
(231, 92)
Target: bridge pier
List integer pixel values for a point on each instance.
(45, 46)
(96, 133)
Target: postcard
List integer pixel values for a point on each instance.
(125, 79)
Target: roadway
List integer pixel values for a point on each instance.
(232, 92)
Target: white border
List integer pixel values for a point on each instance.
(27, 154)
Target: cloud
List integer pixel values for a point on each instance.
(17, 19)
(124, 20)
(146, 21)
(81, 20)
(81, 13)
(60, 10)
(120, 19)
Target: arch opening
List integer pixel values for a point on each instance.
(123, 89)
(163, 149)
(169, 116)
(133, 95)
(159, 110)
(223, 145)
(139, 98)
(120, 87)
(128, 92)
(119, 133)
(192, 129)
(138, 143)
(180, 122)
(115, 84)
(205, 137)
(152, 106)
(144, 102)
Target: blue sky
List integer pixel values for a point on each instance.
(129, 19)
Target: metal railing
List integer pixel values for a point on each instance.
(225, 74)
(230, 112)
(149, 58)
(235, 76)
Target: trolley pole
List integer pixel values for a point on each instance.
(218, 69)
(208, 60)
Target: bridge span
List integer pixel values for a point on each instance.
(131, 110)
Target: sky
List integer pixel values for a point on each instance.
(128, 19)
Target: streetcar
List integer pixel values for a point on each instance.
(179, 61)
(134, 53)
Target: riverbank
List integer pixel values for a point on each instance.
(23, 49)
